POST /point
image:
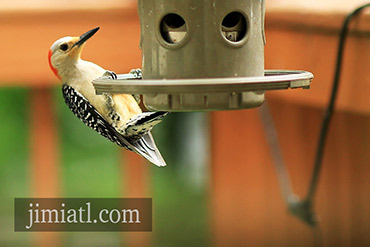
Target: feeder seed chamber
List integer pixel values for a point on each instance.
(202, 56)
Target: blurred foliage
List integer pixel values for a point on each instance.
(180, 213)
(90, 168)
(14, 167)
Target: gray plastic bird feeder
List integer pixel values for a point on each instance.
(201, 56)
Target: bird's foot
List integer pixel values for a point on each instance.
(110, 74)
(137, 73)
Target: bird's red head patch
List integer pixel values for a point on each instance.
(51, 65)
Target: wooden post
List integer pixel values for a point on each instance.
(44, 156)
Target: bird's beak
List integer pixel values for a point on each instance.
(84, 37)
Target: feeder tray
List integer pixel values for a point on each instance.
(204, 94)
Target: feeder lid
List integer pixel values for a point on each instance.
(200, 94)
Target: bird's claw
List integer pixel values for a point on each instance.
(110, 74)
(137, 73)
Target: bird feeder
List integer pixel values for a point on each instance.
(202, 56)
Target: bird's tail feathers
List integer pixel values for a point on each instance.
(146, 147)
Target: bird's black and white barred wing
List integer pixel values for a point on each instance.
(87, 113)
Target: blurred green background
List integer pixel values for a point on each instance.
(90, 167)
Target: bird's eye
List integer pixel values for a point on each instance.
(64, 47)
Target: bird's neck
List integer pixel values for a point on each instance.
(68, 70)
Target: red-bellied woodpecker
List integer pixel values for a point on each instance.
(117, 117)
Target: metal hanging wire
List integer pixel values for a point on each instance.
(303, 208)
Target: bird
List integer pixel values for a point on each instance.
(117, 117)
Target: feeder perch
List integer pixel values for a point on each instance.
(202, 56)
